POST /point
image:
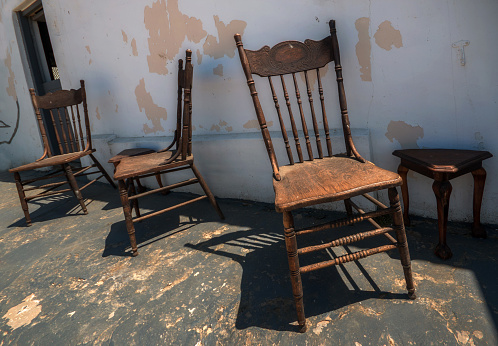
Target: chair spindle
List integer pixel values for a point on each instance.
(69, 130)
(303, 120)
(76, 136)
(313, 116)
(324, 114)
(281, 121)
(293, 123)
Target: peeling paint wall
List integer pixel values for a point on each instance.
(404, 81)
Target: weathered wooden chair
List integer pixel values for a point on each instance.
(74, 141)
(177, 156)
(323, 177)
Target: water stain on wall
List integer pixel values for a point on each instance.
(88, 49)
(364, 48)
(407, 135)
(134, 47)
(97, 113)
(9, 130)
(153, 112)
(254, 124)
(218, 70)
(168, 28)
(125, 37)
(386, 36)
(224, 45)
(22, 314)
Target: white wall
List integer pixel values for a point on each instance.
(403, 79)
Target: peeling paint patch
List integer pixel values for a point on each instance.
(90, 62)
(386, 36)
(218, 70)
(134, 47)
(199, 57)
(116, 110)
(88, 49)
(364, 48)
(153, 112)
(254, 124)
(215, 128)
(125, 37)
(168, 28)
(224, 45)
(11, 88)
(320, 325)
(407, 135)
(97, 113)
(22, 314)
(229, 129)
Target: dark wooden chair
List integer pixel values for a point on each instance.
(317, 176)
(68, 117)
(177, 156)
(442, 165)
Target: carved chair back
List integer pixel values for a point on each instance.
(183, 132)
(68, 116)
(292, 58)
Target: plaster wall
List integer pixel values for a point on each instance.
(405, 82)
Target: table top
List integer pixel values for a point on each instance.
(443, 160)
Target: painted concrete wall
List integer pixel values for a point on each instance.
(405, 82)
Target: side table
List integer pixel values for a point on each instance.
(442, 165)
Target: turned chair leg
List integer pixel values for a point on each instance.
(404, 253)
(403, 173)
(208, 192)
(99, 166)
(479, 179)
(134, 192)
(349, 207)
(295, 274)
(74, 186)
(442, 190)
(125, 202)
(22, 197)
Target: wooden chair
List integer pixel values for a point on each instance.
(164, 161)
(74, 141)
(314, 179)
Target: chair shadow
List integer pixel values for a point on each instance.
(266, 299)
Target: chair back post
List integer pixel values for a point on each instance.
(41, 125)
(181, 83)
(257, 106)
(85, 114)
(346, 127)
(187, 100)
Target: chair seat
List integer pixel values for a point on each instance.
(129, 153)
(150, 163)
(329, 179)
(52, 161)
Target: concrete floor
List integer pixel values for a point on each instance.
(69, 279)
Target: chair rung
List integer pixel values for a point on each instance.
(374, 201)
(48, 176)
(345, 221)
(44, 194)
(169, 187)
(45, 186)
(91, 182)
(79, 171)
(347, 258)
(168, 209)
(344, 240)
(361, 211)
(162, 172)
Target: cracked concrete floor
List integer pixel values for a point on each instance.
(198, 280)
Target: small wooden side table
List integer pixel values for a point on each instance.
(442, 165)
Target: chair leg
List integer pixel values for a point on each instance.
(125, 202)
(349, 208)
(404, 253)
(295, 274)
(22, 197)
(74, 186)
(403, 172)
(99, 166)
(479, 179)
(208, 192)
(442, 190)
(134, 192)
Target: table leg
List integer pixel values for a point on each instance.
(403, 172)
(479, 179)
(442, 190)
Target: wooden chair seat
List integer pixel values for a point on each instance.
(327, 180)
(52, 161)
(129, 153)
(149, 163)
